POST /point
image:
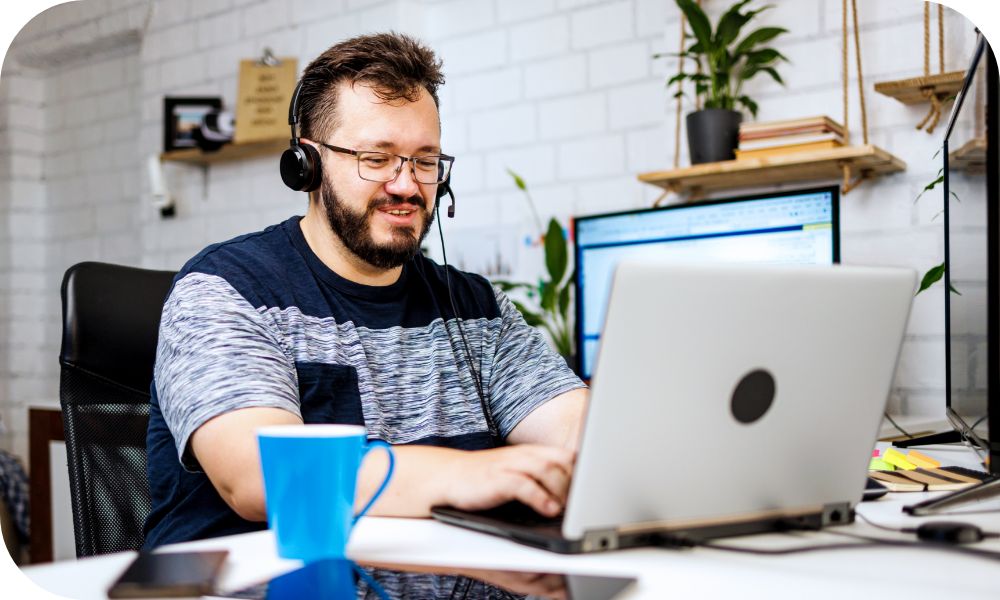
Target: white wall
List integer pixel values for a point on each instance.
(562, 91)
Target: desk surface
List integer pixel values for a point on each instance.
(662, 573)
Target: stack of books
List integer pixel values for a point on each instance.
(778, 138)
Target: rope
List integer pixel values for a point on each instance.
(980, 114)
(933, 114)
(697, 98)
(941, 37)
(847, 127)
(677, 120)
(861, 80)
(927, 39)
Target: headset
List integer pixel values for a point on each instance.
(301, 167)
(302, 170)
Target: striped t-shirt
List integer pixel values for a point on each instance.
(260, 321)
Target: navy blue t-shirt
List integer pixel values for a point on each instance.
(260, 321)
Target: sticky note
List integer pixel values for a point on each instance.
(875, 453)
(877, 464)
(922, 460)
(897, 459)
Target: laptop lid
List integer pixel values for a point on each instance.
(727, 391)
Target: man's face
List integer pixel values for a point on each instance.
(383, 224)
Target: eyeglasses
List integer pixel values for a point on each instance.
(381, 166)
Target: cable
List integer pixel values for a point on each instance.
(783, 551)
(476, 379)
(896, 425)
(975, 552)
(877, 526)
(867, 542)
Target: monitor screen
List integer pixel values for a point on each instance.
(795, 227)
(972, 255)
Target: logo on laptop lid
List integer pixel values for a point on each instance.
(753, 396)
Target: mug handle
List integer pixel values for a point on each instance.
(388, 475)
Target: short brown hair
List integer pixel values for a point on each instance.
(394, 65)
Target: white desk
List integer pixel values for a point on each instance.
(867, 573)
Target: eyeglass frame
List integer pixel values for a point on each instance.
(399, 168)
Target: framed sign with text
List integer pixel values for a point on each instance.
(265, 90)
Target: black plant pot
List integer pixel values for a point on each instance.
(713, 134)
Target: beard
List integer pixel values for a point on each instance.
(355, 228)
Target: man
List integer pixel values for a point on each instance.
(337, 318)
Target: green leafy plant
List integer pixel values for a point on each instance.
(725, 64)
(935, 273)
(552, 296)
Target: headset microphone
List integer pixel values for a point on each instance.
(451, 207)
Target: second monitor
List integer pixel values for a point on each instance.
(793, 227)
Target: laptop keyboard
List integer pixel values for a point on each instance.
(517, 513)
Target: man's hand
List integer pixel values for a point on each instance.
(538, 476)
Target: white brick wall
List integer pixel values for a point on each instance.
(562, 91)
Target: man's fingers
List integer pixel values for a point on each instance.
(529, 491)
(553, 476)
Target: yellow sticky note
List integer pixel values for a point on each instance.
(897, 459)
(922, 460)
(877, 464)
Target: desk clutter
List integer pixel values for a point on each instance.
(917, 472)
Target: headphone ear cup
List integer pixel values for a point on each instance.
(300, 168)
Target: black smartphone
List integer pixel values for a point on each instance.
(170, 575)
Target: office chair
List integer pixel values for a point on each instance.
(111, 317)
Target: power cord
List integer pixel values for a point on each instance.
(476, 378)
(866, 542)
(896, 425)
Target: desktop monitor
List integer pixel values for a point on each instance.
(972, 259)
(792, 227)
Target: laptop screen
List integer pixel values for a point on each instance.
(796, 227)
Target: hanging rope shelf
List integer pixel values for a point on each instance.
(851, 165)
(937, 89)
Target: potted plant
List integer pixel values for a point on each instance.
(725, 62)
(551, 295)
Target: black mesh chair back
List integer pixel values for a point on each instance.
(111, 316)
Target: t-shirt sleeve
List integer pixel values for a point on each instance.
(527, 372)
(215, 354)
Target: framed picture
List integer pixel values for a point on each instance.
(181, 116)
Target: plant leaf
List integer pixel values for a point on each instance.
(774, 74)
(548, 296)
(760, 36)
(764, 56)
(508, 286)
(699, 22)
(932, 276)
(676, 78)
(930, 186)
(517, 180)
(730, 24)
(750, 104)
(564, 299)
(556, 255)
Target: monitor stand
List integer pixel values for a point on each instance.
(945, 437)
(980, 492)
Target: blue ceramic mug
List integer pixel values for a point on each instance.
(310, 476)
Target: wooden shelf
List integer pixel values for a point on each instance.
(851, 164)
(970, 157)
(914, 89)
(227, 153)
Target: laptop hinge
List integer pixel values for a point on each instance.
(600, 539)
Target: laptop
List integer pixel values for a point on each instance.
(726, 400)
